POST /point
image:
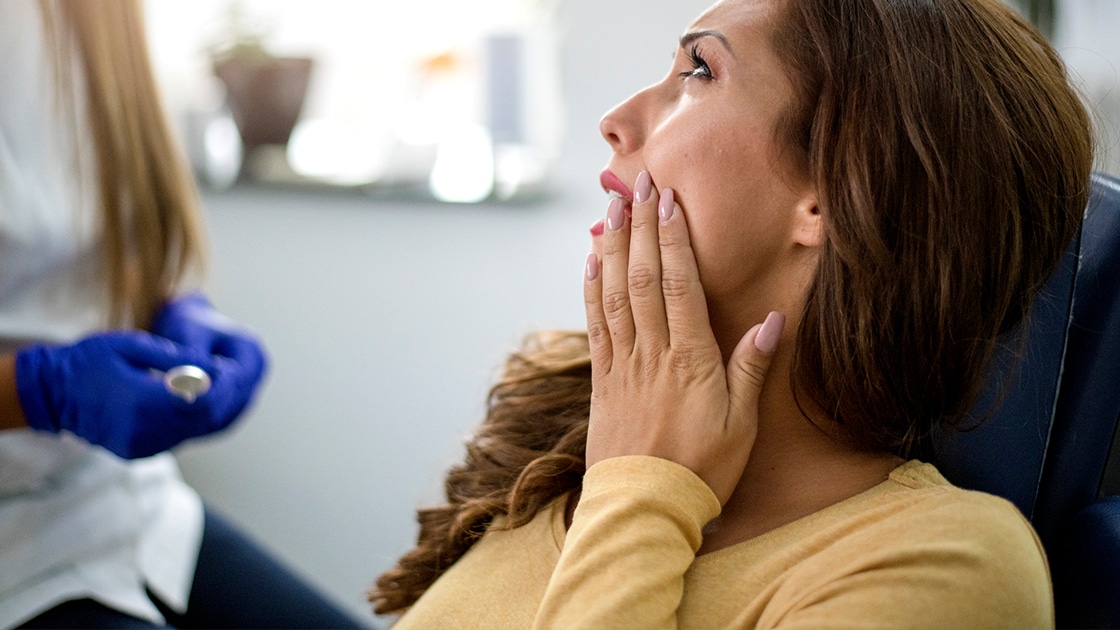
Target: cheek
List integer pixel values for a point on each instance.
(721, 172)
(732, 249)
(739, 224)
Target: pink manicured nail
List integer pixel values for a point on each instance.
(615, 214)
(643, 187)
(592, 267)
(665, 205)
(767, 338)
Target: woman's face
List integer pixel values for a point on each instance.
(707, 131)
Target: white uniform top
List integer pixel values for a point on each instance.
(75, 520)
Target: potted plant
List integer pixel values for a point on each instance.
(264, 92)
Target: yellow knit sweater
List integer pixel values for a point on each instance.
(912, 552)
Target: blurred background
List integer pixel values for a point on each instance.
(396, 194)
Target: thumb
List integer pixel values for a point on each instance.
(750, 362)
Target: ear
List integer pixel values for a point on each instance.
(808, 224)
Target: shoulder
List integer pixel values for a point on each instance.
(918, 514)
(485, 588)
(956, 557)
(920, 500)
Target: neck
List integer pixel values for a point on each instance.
(795, 469)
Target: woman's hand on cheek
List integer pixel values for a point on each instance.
(660, 386)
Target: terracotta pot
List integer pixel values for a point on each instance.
(265, 96)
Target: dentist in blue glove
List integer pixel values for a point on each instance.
(109, 388)
(106, 361)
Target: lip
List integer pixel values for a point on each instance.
(610, 182)
(598, 227)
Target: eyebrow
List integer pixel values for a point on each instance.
(688, 38)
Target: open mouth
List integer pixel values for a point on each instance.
(614, 186)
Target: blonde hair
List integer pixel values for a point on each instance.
(152, 233)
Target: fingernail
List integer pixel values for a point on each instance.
(616, 214)
(767, 338)
(643, 187)
(592, 267)
(665, 205)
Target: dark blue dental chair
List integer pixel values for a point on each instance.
(1051, 445)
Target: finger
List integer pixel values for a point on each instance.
(686, 310)
(243, 349)
(750, 362)
(598, 334)
(616, 292)
(232, 392)
(149, 352)
(644, 272)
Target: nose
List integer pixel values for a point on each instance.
(622, 126)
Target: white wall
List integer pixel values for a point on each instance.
(1085, 35)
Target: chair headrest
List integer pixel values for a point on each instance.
(1052, 404)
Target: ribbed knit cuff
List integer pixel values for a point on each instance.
(659, 481)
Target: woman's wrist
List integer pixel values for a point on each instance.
(11, 412)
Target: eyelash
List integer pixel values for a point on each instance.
(700, 69)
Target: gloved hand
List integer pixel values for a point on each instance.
(191, 321)
(108, 389)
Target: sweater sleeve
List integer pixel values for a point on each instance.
(634, 534)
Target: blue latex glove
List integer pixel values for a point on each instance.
(189, 320)
(108, 390)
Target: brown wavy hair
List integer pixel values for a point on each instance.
(951, 159)
(526, 453)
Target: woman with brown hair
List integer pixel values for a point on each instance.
(884, 185)
(104, 364)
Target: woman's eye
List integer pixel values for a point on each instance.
(700, 69)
